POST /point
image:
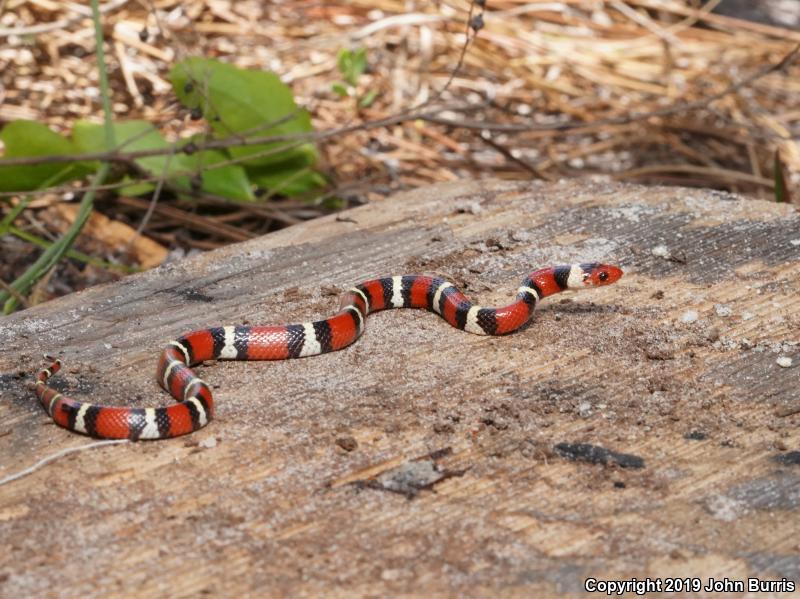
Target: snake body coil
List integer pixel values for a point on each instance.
(195, 407)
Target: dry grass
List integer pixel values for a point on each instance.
(546, 90)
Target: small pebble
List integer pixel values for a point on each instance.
(208, 443)
(347, 443)
(467, 207)
(661, 351)
(689, 317)
(660, 251)
(784, 361)
(722, 310)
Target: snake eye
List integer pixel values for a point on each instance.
(603, 276)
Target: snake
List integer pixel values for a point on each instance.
(194, 406)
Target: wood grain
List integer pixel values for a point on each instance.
(424, 461)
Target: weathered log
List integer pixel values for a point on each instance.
(643, 429)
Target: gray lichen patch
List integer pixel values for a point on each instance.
(779, 491)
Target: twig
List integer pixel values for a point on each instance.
(788, 411)
(55, 456)
(162, 177)
(62, 23)
(487, 139)
(199, 223)
(429, 116)
(14, 293)
(234, 140)
(629, 118)
(404, 20)
(690, 20)
(718, 20)
(665, 34)
(460, 63)
(695, 169)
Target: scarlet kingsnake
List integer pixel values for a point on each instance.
(195, 406)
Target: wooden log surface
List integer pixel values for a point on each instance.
(641, 430)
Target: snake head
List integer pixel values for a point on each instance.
(597, 275)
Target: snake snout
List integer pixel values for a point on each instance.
(597, 275)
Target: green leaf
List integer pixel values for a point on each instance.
(344, 62)
(229, 181)
(334, 203)
(292, 185)
(340, 89)
(28, 139)
(131, 136)
(136, 188)
(245, 102)
(291, 178)
(352, 64)
(367, 99)
(360, 62)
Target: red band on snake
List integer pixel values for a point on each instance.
(195, 406)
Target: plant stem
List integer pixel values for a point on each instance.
(80, 256)
(54, 253)
(105, 93)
